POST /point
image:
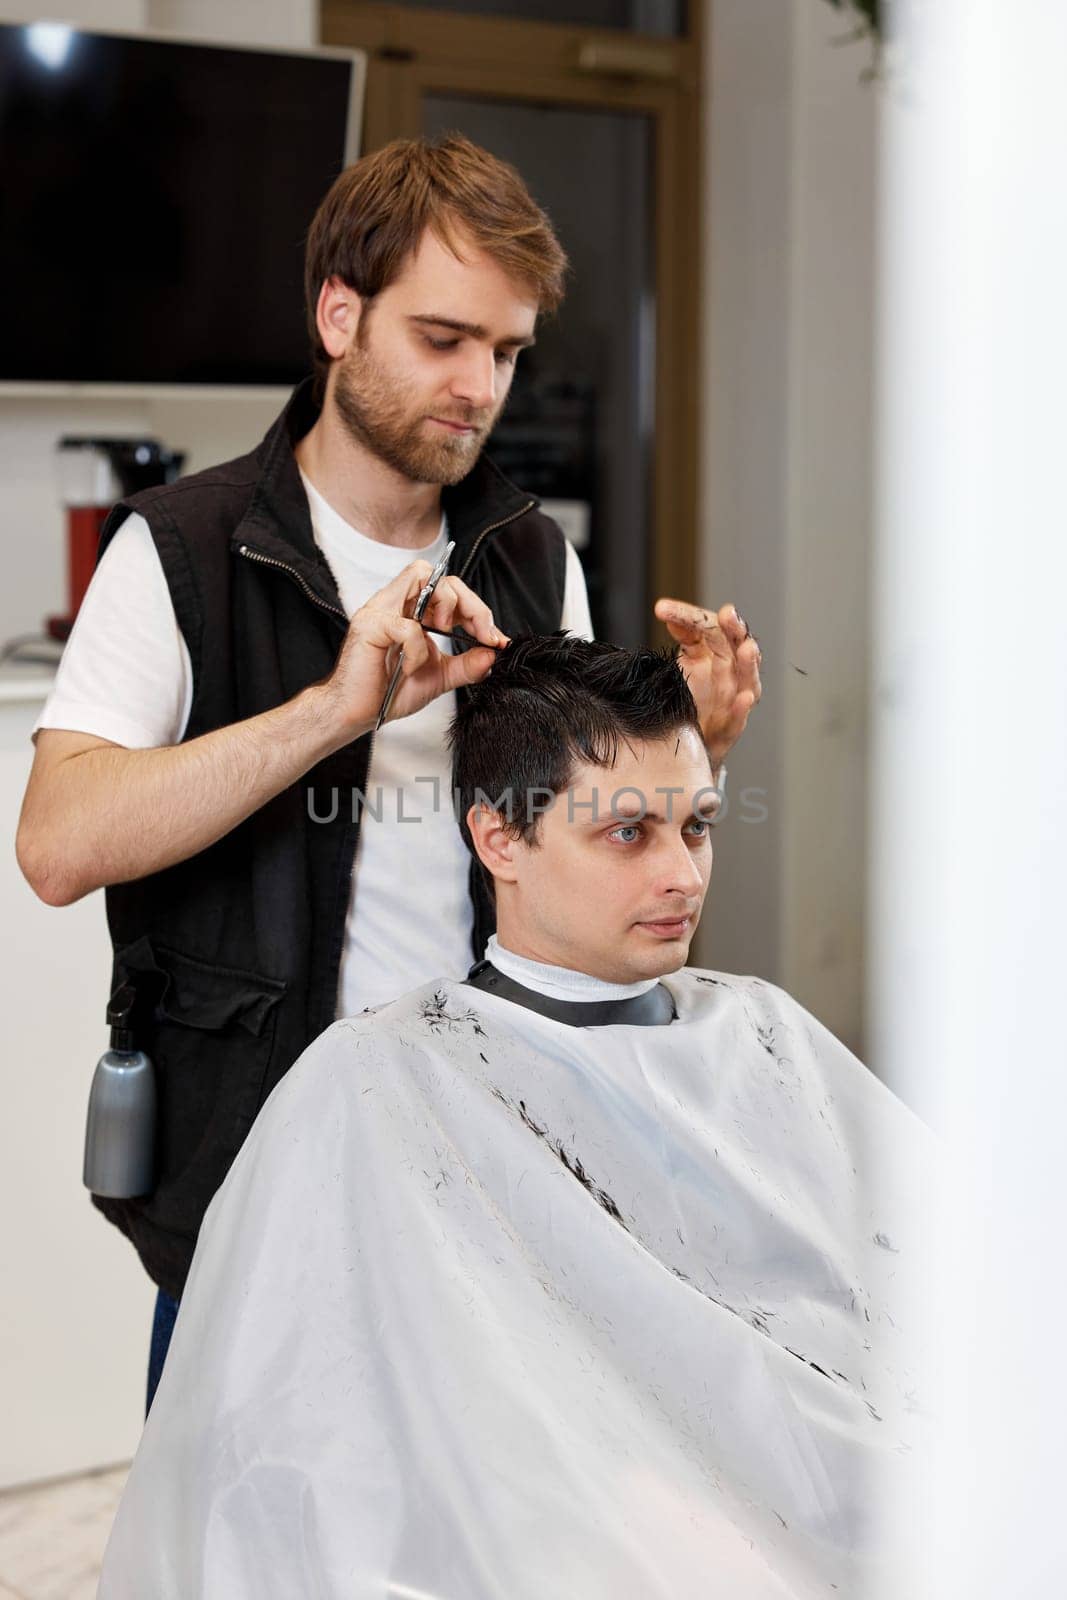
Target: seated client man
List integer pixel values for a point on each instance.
(579, 1279)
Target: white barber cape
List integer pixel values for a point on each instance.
(495, 1308)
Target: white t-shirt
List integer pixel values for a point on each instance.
(126, 676)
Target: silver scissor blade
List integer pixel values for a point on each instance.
(425, 596)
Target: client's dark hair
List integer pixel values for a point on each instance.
(550, 702)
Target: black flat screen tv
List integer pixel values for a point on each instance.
(154, 200)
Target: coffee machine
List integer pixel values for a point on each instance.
(93, 473)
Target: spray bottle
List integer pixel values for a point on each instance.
(120, 1133)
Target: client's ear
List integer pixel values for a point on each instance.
(494, 845)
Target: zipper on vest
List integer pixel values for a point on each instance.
(269, 561)
(324, 605)
(492, 528)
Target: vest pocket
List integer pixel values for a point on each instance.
(210, 1036)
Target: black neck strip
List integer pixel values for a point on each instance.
(653, 1009)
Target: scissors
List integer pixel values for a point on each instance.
(425, 596)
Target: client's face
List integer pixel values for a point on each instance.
(614, 883)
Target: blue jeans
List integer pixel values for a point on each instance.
(162, 1328)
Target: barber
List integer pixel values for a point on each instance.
(208, 755)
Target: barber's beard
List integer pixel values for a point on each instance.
(384, 415)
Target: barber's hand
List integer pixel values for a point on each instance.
(357, 685)
(721, 662)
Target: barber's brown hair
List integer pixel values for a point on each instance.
(373, 217)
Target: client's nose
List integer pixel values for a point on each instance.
(680, 872)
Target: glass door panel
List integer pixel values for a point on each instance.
(578, 429)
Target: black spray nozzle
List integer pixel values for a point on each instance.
(120, 1017)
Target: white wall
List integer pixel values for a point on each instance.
(268, 22)
(746, 418)
(970, 864)
(786, 522)
(76, 1305)
(116, 14)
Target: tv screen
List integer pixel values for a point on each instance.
(154, 200)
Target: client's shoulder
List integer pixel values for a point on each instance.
(768, 1010)
(436, 1017)
(760, 1023)
(357, 1049)
(440, 1007)
(700, 983)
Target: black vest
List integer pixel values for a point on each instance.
(236, 952)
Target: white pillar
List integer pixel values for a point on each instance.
(969, 996)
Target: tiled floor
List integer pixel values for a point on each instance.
(52, 1538)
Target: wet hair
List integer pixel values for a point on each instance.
(551, 702)
(374, 215)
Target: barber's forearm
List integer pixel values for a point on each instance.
(111, 815)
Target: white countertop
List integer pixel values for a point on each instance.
(25, 681)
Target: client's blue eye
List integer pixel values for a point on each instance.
(626, 827)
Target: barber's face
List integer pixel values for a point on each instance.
(431, 359)
(615, 882)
